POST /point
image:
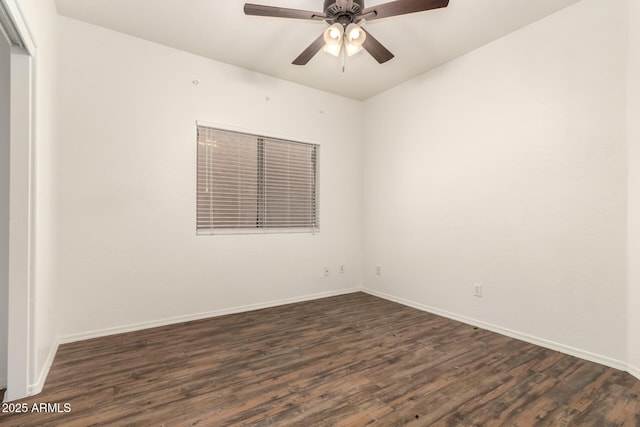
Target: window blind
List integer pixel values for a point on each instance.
(249, 183)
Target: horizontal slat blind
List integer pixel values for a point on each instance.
(289, 184)
(246, 182)
(227, 180)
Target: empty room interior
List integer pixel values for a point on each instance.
(416, 212)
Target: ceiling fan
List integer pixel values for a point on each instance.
(343, 17)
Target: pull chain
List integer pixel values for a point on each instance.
(344, 48)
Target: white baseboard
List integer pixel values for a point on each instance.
(197, 316)
(634, 371)
(582, 354)
(36, 387)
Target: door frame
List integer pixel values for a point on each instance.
(19, 357)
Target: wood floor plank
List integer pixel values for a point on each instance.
(351, 360)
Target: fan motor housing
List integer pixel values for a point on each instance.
(332, 10)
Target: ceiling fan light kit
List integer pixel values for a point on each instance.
(354, 38)
(344, 17)
(333, 37)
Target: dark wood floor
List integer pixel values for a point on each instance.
(351, 360)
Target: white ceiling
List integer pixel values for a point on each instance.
(218, 29)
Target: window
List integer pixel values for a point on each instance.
(249, 183)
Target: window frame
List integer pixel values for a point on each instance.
(259, 230)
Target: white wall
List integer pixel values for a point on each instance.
(633, 117)
(128, 253)
(41, 18)
(507, 167)
(5, 70)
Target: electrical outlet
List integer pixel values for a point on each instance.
(325, 271)
(341, 269)
(477, 290)
(378, 271)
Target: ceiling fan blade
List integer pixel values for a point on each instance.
(281, 12)
(310, 51)
(375, 48)
(401, 7)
